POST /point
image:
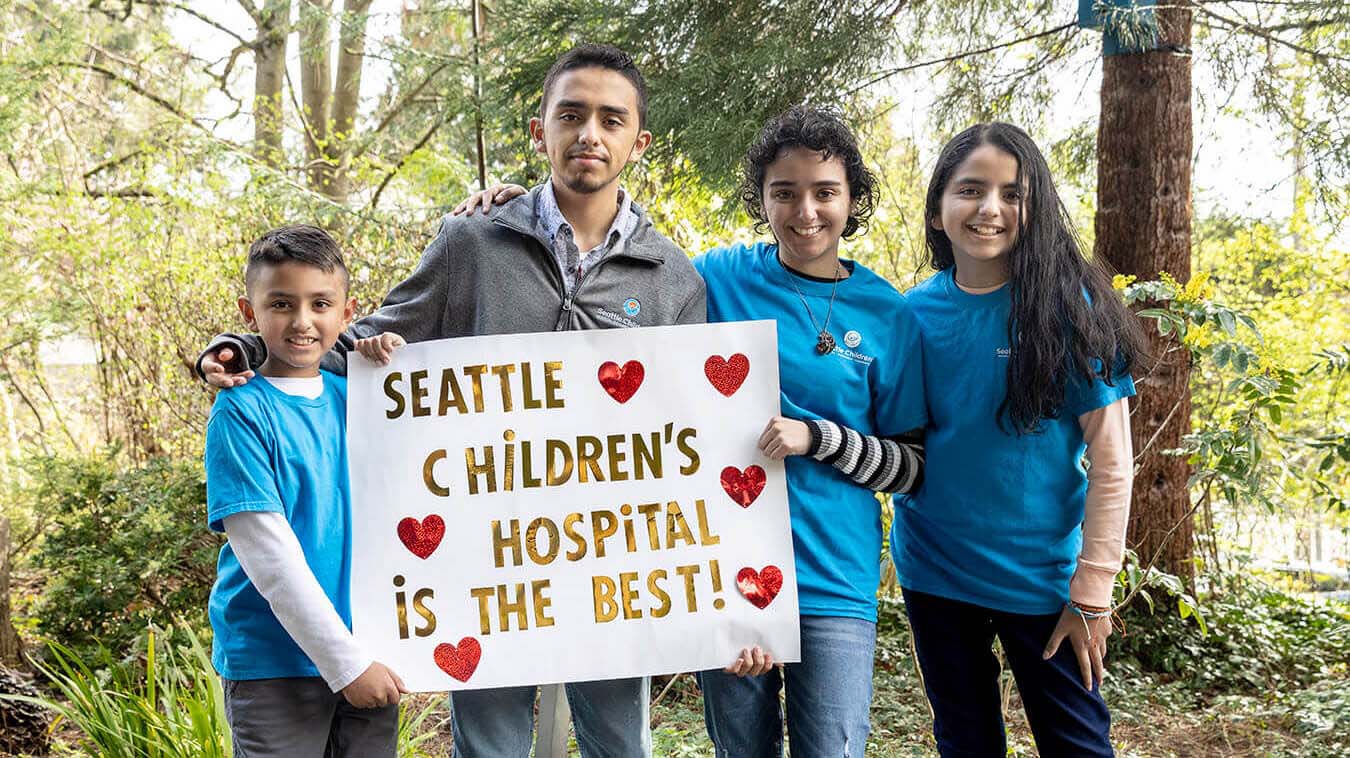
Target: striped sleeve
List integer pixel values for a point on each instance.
(881, 464)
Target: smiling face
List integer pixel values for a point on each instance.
(590, 128)
(299, 310)
(980, 209)
(807, 203)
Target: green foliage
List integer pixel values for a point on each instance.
(125, 547)
(418, 725)
(1256, 637)
(1240, 420)
(716, 70)
(171, 706)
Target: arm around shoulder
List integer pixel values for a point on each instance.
(416, 307)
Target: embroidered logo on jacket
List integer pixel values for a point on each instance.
(617, 319)
(632, 307)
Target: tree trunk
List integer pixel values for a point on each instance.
(477, 10)
(10, 648)
(269, 57)
(346, 94)
(1143, 226)
(316, 83)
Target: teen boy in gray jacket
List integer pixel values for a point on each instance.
(575, 253)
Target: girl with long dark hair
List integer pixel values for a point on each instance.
(1027, 356)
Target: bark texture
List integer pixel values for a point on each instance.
(331, 103)
(269, 56)
(316, 89)
(10, 648)
(1143, 226)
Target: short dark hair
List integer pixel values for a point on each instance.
(297, 243)
(598, 56)
(817, 129)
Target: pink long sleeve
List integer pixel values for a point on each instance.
(1110, 475)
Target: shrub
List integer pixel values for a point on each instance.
(123, 549)
(1256, 638)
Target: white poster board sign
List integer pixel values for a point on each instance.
(570, 506)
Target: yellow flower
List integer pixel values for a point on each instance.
(1199, 337)
(1170, 281)
(1121, 281)
(1198, 288)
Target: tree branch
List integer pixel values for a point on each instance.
(113, 163)
(1243, 26)
(310, 139)
(395, 110)
(389, 176)
(1071, 26)
(205, 19)
(138, 89)
(254, 12)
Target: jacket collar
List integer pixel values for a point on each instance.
(521, 215)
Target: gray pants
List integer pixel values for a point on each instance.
(302, 718)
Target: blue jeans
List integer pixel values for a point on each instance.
(611, 719)
(828, 697)
(954, 641)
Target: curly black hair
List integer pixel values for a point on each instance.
(814, 129)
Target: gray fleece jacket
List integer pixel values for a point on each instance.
(496, 274)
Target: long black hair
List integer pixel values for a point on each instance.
(1066, 319)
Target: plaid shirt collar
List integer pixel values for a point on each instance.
(551, 220)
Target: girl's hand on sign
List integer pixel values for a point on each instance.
(497, 194)
(377, 687)
(752, 661)
(783, 437)
(1088, 639)
(380, 348)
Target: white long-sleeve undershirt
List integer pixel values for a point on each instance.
(271, 556)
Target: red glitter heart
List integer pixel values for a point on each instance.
(460, 661)
(727, 375)
(759, 587)
(621, 383)
(424, 537)
(743, 487)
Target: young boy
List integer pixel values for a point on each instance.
(296, 683)
(572, 254)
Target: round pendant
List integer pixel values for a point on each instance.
(824, 343)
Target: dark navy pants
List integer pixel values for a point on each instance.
(955, 641)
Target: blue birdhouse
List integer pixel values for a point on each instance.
(1127, 26)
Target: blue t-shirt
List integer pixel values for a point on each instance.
(998, 520)
(270, 451)
(870, 383)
